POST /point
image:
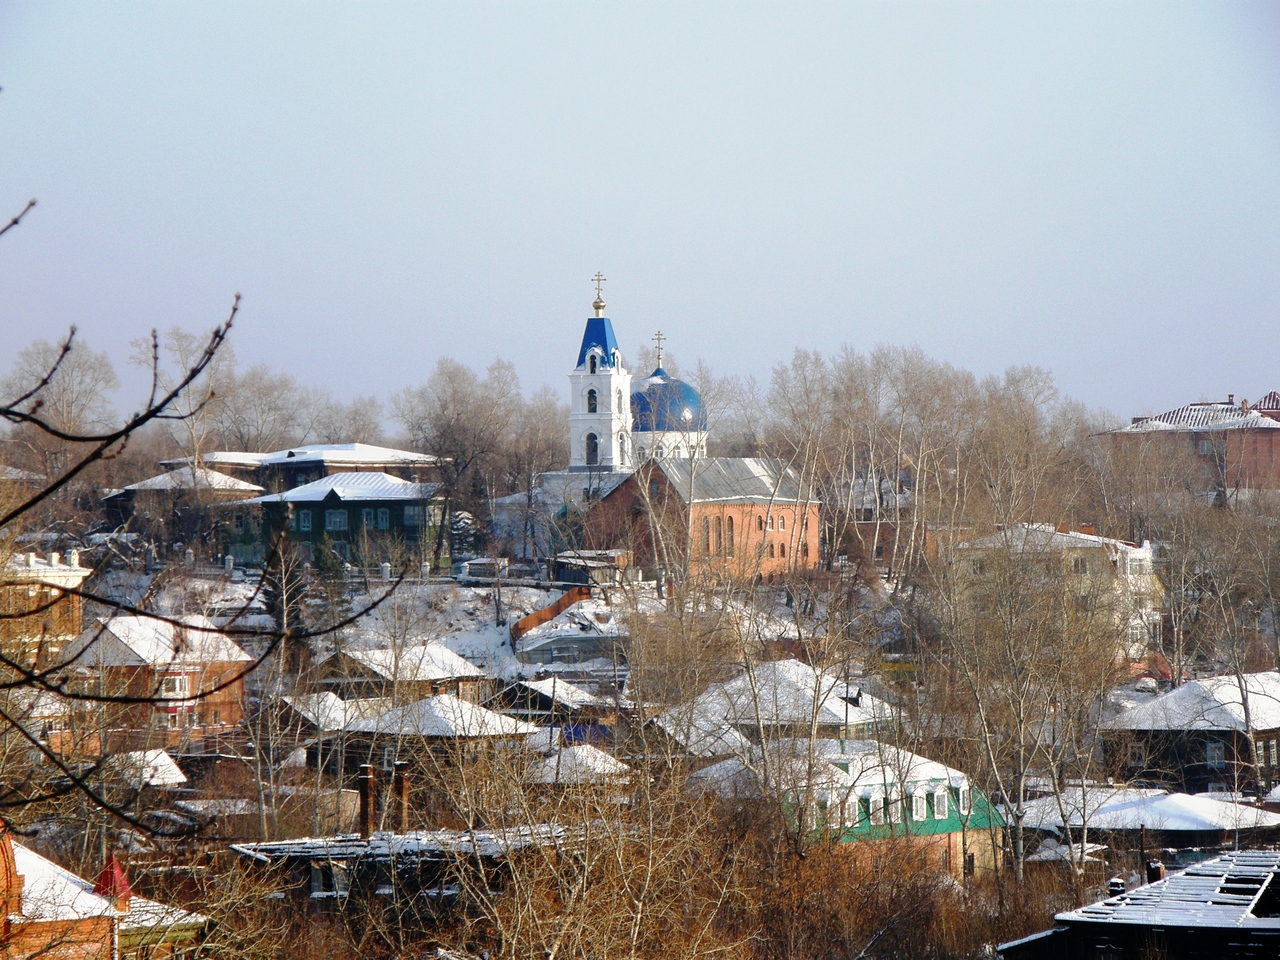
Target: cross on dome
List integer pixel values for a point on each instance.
(658, 338)
(598, 280)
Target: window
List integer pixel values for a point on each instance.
(978, 567)
(304, 521)
(335, 519)
(593, 402)
(965, 800)
(174, 720)
(329, 879)
(941, 808)
(804, 550)
(1080, 565)
(618, 405)
(760, 523)
(919, 806)
(174, 687)
(728, 535)
(388, 758)
(1272, 750)
(850, 811)
(894, 803)
(877, 808)
(237, 523)
(782, 550)
(706, 535)
(1137, 755)
(719, 525)
(771, 551)
(653, 489)
(591, 364)
(593, 450)
(366, 518)
(1215, 753)
(384, 518)
(217, 718)
(1205, 447)
(413, 516)
(782, 523)
(769, 523)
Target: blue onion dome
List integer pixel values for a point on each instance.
(664, 403)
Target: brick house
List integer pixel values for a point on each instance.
(712, 517)
(39, 616)
(190, 674)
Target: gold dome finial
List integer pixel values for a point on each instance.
(598, 279)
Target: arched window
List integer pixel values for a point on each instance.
(760, 524)
(706, 535)
(593, 449)
(782, 522)
(771, 551)
(591, 364)
(622, 445)
(719, 536)
(593, 402)
(782, 550)
(728, 540)
(618, 407)
(804, 550)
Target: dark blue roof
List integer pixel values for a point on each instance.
(661, 403)
(599, 333)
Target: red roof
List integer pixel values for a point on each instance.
(112, 882)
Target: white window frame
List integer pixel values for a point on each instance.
(366, 517)
(941, 803)
(1272, 750)
(414, 515)
(336, 520)
(919, 806)
(384, 518)
(894, 806)
(175, 686)
(964, 798)
(876, 803)
(304, 521)
(1215, 754)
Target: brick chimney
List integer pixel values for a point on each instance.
(113, 885)
(1087, 528)
(367, 786)
(400, 793)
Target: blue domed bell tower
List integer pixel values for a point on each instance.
(599, 399)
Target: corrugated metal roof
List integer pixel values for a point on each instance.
(735, 480)
(187, 478)
(355, 487)
(1212, 703)
(1203, 417)
(338, 453)
(1220, 893)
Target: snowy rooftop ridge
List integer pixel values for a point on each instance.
(1202, 417)
(353, 453)
(190, 478)
(353, 486)
(421, 663)
(124, 641)
(1212, 703)
(442, 716)
(1131, 808)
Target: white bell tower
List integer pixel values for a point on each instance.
(599, 399)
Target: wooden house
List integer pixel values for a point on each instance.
(402, 674)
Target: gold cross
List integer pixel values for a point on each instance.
(597, 280)
(658, 338)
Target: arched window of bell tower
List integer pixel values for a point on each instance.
(593, 401)
(591, 364)
(618, 406)
(593, 450)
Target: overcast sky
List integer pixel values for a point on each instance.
(1090, 188)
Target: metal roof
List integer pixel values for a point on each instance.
(1211, 703)
(664, 403)
(1226, 892)
(735, 480)
(187, 478)
(1202, 417)
(353, 487)
(339, 453)
(599, 334)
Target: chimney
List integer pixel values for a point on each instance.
(366, 784)
(1231, 399)
(1064, 528)
(1087, 528)
(112, 885)
(400, 791)
(1244, 406)
(54, 558)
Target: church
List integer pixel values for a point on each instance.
(638, 458)
(612, 428)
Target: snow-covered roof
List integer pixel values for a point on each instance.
(1202, 417)
(1047, 538)
(134, 641)
(570, 694)
(1132, 809)
(51, 893)
(53, 569)
(776, 693)
(149, 768)
(1055, 851)
(423, 663)
(353, 486)
(848, 767)
(189, 478)
(736, 480)
(1220, 893)
(421, 844)
(353, 453)
(329, 713)
(443, 715)
(14, 475)
(576, 765)
(1213, 703)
